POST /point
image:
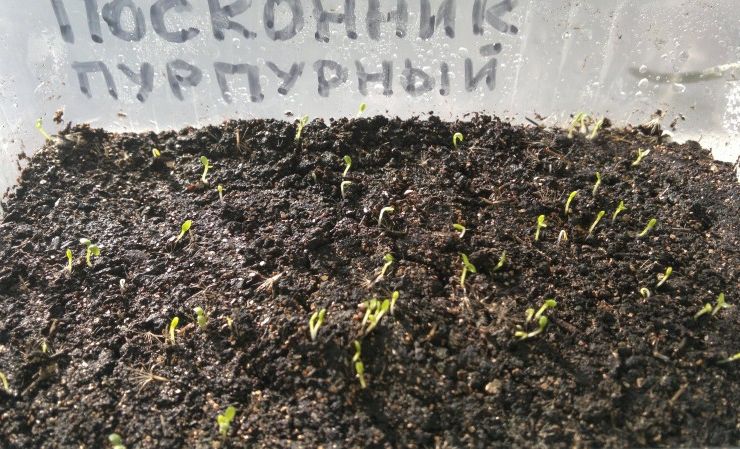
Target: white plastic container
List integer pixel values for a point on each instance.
(540, 59)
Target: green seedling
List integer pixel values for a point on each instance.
(206, 166)
(733, 358)
(542, 325)
(562, 236)
(596, 129)
(579, 118)
(347, 165)
(548, 304)
(172, 328)
(224, 420)
(4, 381)
(704, 310)
(359, 366)
(301, 123)
(668, 272)
(156, 153)
(394, 298)
(220, 190)
(651, 224)
(721, 304)
(501, 262)
(184, 228)
(201, 318)
(315, 322)
(640, 155)
(620, 208)
(456, 138)
(116, 441)
(467, 267)
(599, 216)
(90, 250)
(69, 260)
(361, 109)
(596, 184)
(375, 309)
(570, 199)
(384, 211)
(389, 259)
(460, 228)
(644, 292)
(343, 188)
(540, 225)
(40, 128)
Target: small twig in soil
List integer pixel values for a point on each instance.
(269, 283)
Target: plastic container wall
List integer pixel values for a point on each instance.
(133, 65)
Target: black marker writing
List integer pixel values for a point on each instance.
(112, 16)
(374, 18)
(63, 20)
(145, 79)
(83, 69)
(385, 77)
(324, 18)
(176, 80)
(289, 78)
(157, 12)
(327, 84)
(446, 13)
(291, 29)
(221, 18)
(253, 77)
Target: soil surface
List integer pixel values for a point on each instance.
(86, 353)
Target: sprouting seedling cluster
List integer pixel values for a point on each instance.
(315, 322)
(460, 228)
(224, 420)
(375, 309)
(640, 156)
(467, 267)
(570, 200)
(457, 138)
(302, 122)
(383, 211)
(91, 249)
(538, 317)
(666, 275)
(359, 366)
(40, 128)
(708, 309)
(651, 224)
(579, 119)
(184, 229)
(541, 224)
(206, 166)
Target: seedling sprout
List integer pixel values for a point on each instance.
(220, 190)
(389, 259)
(301, 123)
(315, 322)
(394, 298)
(201, 318)
(347, 165)
(704, 310)
(40, 128)
(4, 380)
(184, 228)
(375, 310)
(501, 262)
(206, 166)
(548, 304)
(116, 441)
(456, 138)
(359, 366)
(460, 228)
(620, 208)
(361, 109)
(224, 420)
(640, 155)
(668, 272)
(650, 225)
(570, 199)
(580, 118)
(358, 350)
(90, 250)
(721, 304)
(597, 184)
(562, 236)
(542, 325)
(156, 153)
(596, 129)
(172, 328)
(383, 211)
(69, 260)
(467, 266)
(343, 188)
(540, 225)
(644, 292)
(599, 216)
(732, 358)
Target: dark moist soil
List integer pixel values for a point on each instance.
(85, 354)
